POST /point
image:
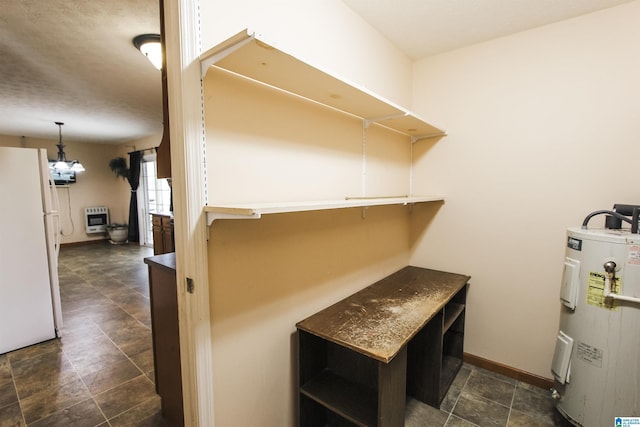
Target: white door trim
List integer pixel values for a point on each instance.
(189, 191)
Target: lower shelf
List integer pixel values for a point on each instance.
(351, 401)
(450, 367)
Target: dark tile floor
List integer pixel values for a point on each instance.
(101, 372)
(479, 397)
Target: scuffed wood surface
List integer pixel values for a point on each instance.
(380, 319)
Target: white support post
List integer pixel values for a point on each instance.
(187, 164)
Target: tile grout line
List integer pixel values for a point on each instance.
(481, 371)
(85, 384)
(93, 397)
(113, 342)
(15, 388)
(142, 372)
(88, 282)
(121, 307)
(513, 398)
(458, 398)
(130, 409)
(123, 353)
(20, 400)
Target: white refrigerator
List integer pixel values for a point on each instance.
(30, 310)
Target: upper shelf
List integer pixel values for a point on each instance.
(256, 210)
(246, 54)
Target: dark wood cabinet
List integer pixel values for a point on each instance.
(338, 385)
(166, 335)
(163, 241)
(435, 353)
(359, 358)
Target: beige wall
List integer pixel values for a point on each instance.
(265, 275)
(264, 146)
(325, 33)
(96, 186)
(543, 129)
(268, 274)
(533, 120)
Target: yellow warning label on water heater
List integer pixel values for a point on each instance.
(595, 291)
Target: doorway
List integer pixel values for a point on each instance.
(156, 195)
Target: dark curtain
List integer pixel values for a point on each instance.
(134, 181)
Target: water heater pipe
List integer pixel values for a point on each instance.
(612, 213)
(609, 268)
(619, 297)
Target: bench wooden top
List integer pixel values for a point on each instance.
(380, 319)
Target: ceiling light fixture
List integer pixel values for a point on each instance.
(62, 164)
(149, 45)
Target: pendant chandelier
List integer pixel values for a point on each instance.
(62, 164)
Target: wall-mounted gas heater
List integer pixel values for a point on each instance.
(96, 219)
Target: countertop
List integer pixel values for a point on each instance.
(165, 261)
(380, 319)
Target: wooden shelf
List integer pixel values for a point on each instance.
(451, 312)
(249, 55)
(450, 367)
(256, 210)
(345, 398)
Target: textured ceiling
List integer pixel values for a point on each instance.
(73, 61)
(425, 27)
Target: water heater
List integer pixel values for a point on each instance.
(596, 363)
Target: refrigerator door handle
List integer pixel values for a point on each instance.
(52, 231)
(55, 213)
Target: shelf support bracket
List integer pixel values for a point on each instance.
(417, 138)
(212, 216)
(213, 59)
